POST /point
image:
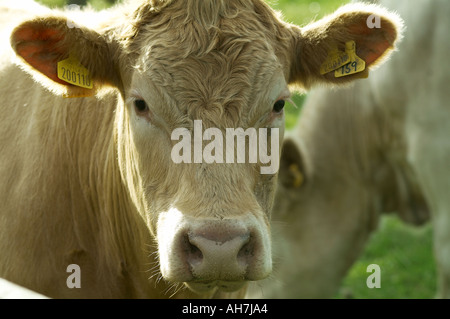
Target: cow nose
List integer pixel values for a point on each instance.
(223, 254)
(208, 254)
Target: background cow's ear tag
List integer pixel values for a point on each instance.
(356, 64)
(73, 72)
(298, 176)
(335, 60)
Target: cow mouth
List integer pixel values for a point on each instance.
(208, 286)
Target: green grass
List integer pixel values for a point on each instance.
(403, 253)
(293, 110)
(302, 12)
(97, 4)
(52, 3)
(405, 256)
(295, 11)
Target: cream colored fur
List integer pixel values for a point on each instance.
(379, 146)
(87, 180)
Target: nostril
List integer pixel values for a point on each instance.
(214, 251)
(247, 250)
(222, 254)
(194, 254)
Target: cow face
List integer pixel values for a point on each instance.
(333, 191)
(190, 72)
(324, 216)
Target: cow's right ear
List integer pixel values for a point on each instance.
(292, 169)
(45, 41)
(343, 46)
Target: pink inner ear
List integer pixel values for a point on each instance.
(41, 48)
(373, 43)
(376, 52)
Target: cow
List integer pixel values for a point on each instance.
(379, 146)
(92, 202)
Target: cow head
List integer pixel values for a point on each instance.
(225, 64)
(342, 167)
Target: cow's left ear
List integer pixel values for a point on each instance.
(292, 173)
(319, 47)
(44, 42)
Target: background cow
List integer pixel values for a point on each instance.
(87, 177)
(381, 145)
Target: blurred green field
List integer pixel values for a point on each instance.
(404, 253)
(405, 256)
(97, 4)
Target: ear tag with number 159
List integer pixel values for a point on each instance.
(335, 60)
(356, 64)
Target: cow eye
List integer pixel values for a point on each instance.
(279, 106)
(141, 106)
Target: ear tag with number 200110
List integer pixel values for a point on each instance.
(73, 72)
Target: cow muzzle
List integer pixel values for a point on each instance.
(213, 253)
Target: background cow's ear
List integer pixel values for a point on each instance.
(292, 170)
(45, 41)
(373, 29)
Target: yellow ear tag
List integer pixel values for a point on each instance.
(335, 60)
(356, 64)
(299, 178)
(71, 71)
(77, 95)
